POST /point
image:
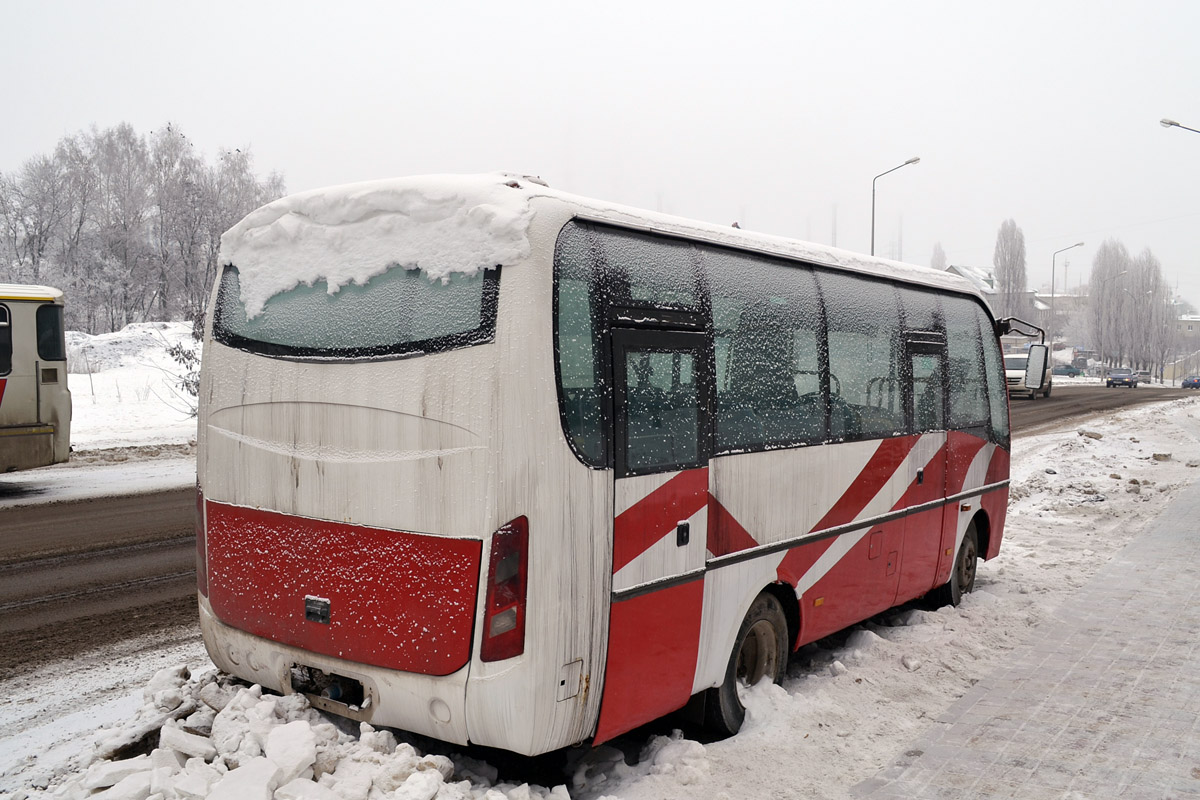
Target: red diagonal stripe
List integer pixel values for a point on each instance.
(883, 464)
(3, 383)
(657, 514)
(725, 534)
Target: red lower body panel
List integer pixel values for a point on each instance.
(391, 599)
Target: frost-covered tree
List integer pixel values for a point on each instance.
(127, 225)
(1008, 260)
(1108, 301)
(938, 259)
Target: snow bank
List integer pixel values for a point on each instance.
(349, 234)
(125, 387)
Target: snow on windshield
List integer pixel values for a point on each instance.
(349, 234)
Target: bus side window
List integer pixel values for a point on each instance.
(581, 387)
(51, 337)
(767, 325)
(865, 348)
(968, 388)
(5, 341)
(997, 386)
(660, 272)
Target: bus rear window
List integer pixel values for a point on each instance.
(398, 312)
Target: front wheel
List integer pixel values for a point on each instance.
(759, 651)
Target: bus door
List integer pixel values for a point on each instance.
(18, 389)
(925, 401)
(662, 400)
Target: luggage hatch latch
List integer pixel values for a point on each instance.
(316, 609)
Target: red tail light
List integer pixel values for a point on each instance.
(504, 612)
(201, 544)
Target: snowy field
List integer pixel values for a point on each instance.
(848, 706)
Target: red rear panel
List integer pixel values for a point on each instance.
(398, 600)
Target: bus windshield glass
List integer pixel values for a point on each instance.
(398, 312)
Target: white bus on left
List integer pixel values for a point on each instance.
(35, 403)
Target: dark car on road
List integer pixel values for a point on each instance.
(1191, 382)
(1120, 376)
(1068, 370)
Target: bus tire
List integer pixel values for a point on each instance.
(759, 651)
(962, 574)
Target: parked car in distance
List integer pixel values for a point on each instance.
(1068, 370)
(1015, 365)
(1144, 376)
(1121, 376)
(1191, 382)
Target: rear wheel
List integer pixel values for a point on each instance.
(962, 574)
(759, 651)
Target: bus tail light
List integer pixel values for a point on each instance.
(504, 611)
(201, 544)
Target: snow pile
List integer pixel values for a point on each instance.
(208, 737)
(439, 224)
(125, 387)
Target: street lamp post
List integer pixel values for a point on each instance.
(877, 177)
(1170, 123)
(1053, 265)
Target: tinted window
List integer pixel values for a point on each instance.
(5, 341)
(920, 309)
(657, 271)
(767, 330)
(864, 342)
(580, 372)
(927, 412)
(399, 311)
(968, 387)
(994, 368)
(662, 402)
(51, 338)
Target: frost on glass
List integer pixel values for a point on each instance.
(968, 388)
(662, 410)
(580, 382)
(920, 309)
(928, 410)
(864, 345)
(766, 328)
(398, 308)
(996, 383)
(660, 271)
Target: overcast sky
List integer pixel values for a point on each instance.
(774, 114)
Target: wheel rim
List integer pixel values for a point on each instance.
(966, 567)
(757, 657)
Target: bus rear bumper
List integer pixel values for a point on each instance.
(432, 706)
(28, 446)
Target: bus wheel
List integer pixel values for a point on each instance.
(962, 575)
(760, 651)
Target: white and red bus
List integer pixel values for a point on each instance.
(35, 402)
(497, 464)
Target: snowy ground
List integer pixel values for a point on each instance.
(848, 707)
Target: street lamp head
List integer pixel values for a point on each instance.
(1077, 244)
(916, 160)
(1168, 123)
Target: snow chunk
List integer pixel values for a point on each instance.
(440, 225)
(110, 773)
(293, 748)
(304, 790)
(187, 743)
(254, 780)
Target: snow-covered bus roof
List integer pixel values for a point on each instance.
(445, 224)
(21, 291)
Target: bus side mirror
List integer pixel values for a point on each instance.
(1035, 371)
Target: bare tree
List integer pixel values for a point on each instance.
(1008, 259)
(1108, 301)
(938, 259)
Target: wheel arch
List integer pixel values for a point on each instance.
(786, 595)
(983, 531)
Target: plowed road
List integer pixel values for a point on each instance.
(75, 575)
